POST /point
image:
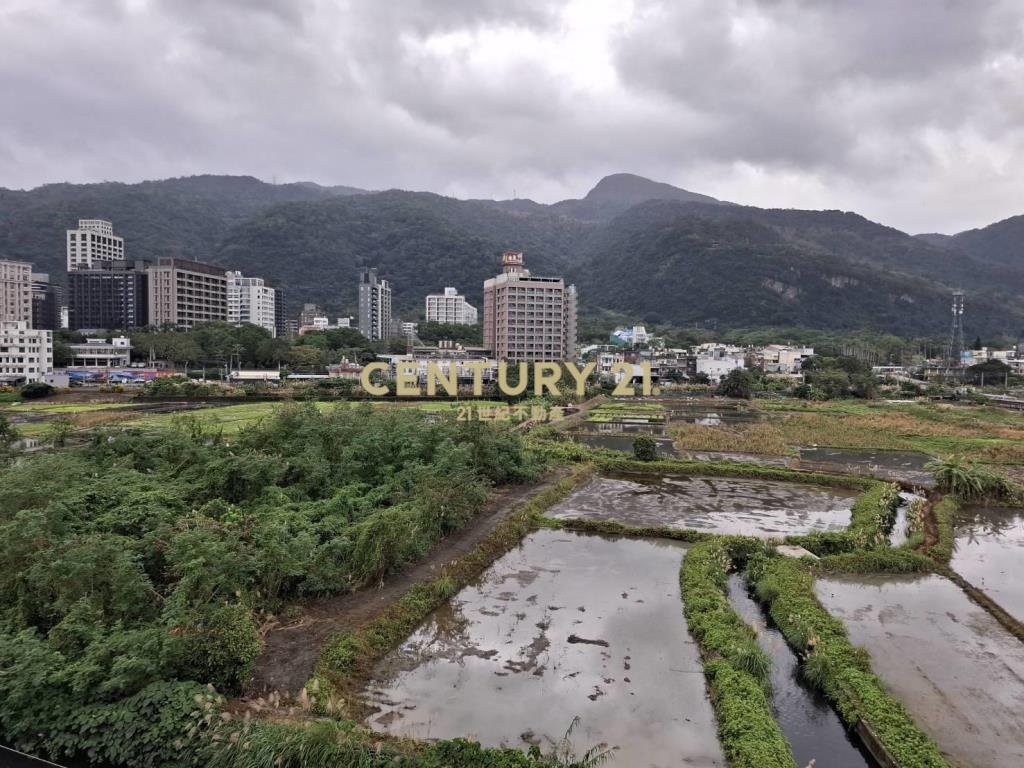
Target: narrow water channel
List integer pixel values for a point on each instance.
(812, 727)
(898, 536)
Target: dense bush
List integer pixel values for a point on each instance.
(146, 560)
(968, 481)
(644, 448)
(832, 663)
(36, 389)
(871, 520)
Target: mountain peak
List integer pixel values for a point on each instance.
(630, 188)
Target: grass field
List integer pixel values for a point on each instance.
(986, 433)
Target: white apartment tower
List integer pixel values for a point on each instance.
(251, 301)
(450, 307)
(25, 354)
(528, 318)
(374, 306)
(16, 291)
(93, 244)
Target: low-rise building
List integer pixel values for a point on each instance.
(101, 353)
(781, 358)
(26, 353)
(716, 365)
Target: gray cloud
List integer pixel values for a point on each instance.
(911, 113)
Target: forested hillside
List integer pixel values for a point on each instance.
(649, 250)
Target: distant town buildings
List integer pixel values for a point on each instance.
(93, 243)
(779, 358)
(450, 307)
(16, 291)
(47, 300)
(26, 354)
(629, 337)
(374, 305)
(184, 293)
(251, 300)
(526, 317)
(109, 295)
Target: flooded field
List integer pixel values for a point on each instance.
(812, 727)
(623, 442)
(958, 672)
(763, 508)
(988, 553)
(621, 428)
(564, 625)
(710, 415)
(907, 466)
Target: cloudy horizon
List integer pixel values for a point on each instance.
(910, 114)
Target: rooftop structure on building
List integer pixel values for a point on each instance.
(374, 305)
(93, 243)
(450, 307)
(26, 353)
(16, 291)
(183, 293)
(526, 317)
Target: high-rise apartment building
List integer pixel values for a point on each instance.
(281, 319)
(374, 305)
(527, 317)
(26, 354)
(113, 295)
(16, 291)
(450, 307)
(251, 300)
(184, 293)
(93, 243)
(47, 299)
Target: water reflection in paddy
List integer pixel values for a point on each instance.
(564, 625)
(743, 506)
(958, 672)
(989, 553)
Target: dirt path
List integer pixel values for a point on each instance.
(291, 651)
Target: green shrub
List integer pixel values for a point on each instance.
(644, 448)
(968, 481)
(876, 561)
(221, 644)
(36, 389)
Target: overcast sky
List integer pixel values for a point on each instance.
(908, 111)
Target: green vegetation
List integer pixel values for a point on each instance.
(738, 384)
(350, 655)
(644, 448)
(737, 668)
(833, 665)
(619, 411)
(871, 521)
(136, 570)
(881, 560)
(967, 481)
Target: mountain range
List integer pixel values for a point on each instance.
(651, 251)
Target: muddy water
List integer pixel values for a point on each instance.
(989, 553)
(898, 536)
(760, 459)
(907, 466)
(624, 442)
(719, 505)
(958, 672)
(710, 415)
(621, 428)
(811, 726)
(565, 625)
